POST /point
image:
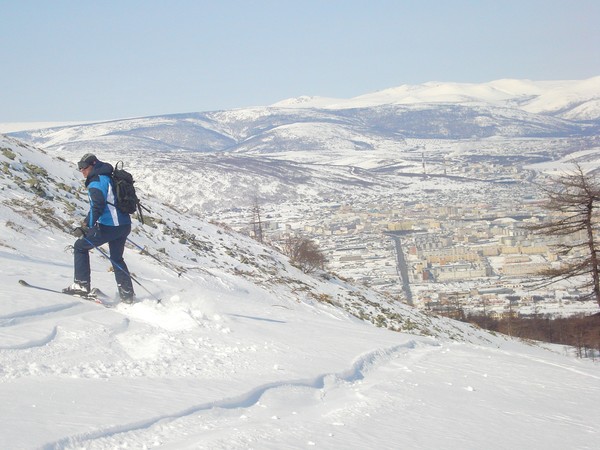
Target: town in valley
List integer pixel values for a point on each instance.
(458, 252)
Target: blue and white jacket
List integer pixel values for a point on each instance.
(102, 198)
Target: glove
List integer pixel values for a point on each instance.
(80, 231)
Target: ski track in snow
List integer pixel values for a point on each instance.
(31, 317)
(355, 373)
(34, 342)
(33, 314)
(564, 367)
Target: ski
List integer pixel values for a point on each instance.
(95, 295)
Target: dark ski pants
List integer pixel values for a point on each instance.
(101, 234)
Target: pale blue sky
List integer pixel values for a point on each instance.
(94, 60)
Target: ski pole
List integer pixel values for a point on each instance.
(158, 300)
(153, 256)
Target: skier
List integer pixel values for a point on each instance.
(104, 223)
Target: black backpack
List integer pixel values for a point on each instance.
(127, 199)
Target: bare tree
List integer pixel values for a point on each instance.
(304, 253)
(573, 203)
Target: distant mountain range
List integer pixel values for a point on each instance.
(572, 100)
(310, 146)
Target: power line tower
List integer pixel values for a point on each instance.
(257, 222)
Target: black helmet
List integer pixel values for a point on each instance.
(87, 160)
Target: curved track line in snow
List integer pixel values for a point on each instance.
(561, 366)
(26, 315)
(34, 342)
(355, 373)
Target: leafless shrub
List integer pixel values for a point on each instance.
(304, 253)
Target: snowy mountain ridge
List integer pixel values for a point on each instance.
(245, 350)
(323, 147)
(565, 98)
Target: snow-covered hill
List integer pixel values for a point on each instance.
(568, 99)
(507, 108)
(310, 148)
(245, 350)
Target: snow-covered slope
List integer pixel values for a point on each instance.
(245, 350)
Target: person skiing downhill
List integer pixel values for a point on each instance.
(103, 223)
